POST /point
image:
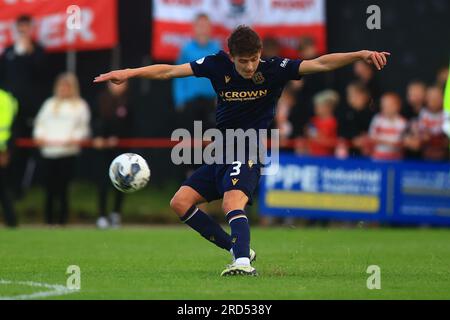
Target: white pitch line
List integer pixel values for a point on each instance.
(56, 290)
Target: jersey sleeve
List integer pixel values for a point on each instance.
(288, 68)
(204, 67)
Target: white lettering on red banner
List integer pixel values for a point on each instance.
(94, 23)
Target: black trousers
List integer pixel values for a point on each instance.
(58, 175)
(5, 201)
(21, 159)
(104, 159)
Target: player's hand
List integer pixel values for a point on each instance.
(378, 59)
(116, 77)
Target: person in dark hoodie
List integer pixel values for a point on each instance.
(355, 119)
(113, 120)
(22, 74)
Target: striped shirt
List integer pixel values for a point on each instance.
(388, 130)
(431, 122)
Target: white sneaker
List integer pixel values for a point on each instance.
(102, 223)
(252, 256)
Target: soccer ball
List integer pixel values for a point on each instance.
(129, 172)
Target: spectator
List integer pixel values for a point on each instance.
(21, 73)
(271, 48)
(387, 129)
(415, 98)
(441, 77)
(365, 74)
(321, 130)
(194, 97)
(355, 120)
(8, 110)
(61, 124)
(113, 121)
(434, 142)
(282, 123)
(307, 88)
(446, 126)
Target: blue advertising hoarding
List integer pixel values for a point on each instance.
(403, 192)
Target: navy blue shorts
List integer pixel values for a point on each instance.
(211, 181)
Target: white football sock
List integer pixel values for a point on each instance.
(242, 261)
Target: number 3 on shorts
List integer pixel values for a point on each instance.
(236, 168)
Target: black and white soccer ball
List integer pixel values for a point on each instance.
(129, 172)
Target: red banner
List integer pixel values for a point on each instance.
(286, 20)
(63, 24)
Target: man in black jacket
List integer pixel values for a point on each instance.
(21, 73)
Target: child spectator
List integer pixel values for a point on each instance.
(61, 124)
(283, 110)
(321, 131)
(434, 142)
(387, 129)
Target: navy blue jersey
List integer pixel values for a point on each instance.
(246, 103)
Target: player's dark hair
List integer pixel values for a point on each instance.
(244, 41)
(24, 19)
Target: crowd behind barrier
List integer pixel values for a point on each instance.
(314, 116)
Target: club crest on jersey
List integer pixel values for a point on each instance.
(227, 79)
(258, 78)
(284, 63)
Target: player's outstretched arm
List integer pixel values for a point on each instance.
(334, 61)
(154, 72)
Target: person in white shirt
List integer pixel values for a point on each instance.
(61, 125)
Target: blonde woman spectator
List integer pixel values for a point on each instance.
(61, 124)
(387, 129)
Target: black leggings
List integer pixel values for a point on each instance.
(57, 179)
(104, 158)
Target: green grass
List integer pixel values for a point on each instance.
(175, 263)
(150, 205)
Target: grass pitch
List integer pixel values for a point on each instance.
(176, 263)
